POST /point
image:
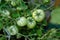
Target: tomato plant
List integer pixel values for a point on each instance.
(27, 19)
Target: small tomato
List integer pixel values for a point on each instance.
(13, 30)
(22, 21)
(30, 22)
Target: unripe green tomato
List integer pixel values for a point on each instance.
(30, 23)
(38, 15)
(5, 13)
(13, 3)
(13, 30)
(22, 21)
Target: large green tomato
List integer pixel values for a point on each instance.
(30, 22)
(13, 30)
(38, 15)
(22, 21)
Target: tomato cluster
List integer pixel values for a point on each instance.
(37, 16)
(18, 16)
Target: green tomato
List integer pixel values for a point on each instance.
(13, 30)
(38, 15)
(30, 23)
(5, 13)
(22, 21)
(13, 3)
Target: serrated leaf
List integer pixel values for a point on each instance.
(55, 16)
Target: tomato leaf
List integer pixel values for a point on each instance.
(39, 32)
(55, 16)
